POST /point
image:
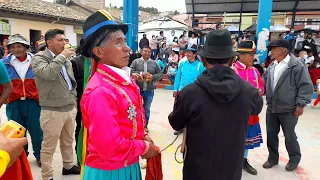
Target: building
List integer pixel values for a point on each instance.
(33, 18)
(304, 20)
(98, 4)
(202, 21)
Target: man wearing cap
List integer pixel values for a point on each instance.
(245, 69)
(23, 104)
(111, 105)
(57, 92)
(188, 71)
(288, 90)
(215, 111)
(146, 72)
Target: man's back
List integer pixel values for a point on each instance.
(215, 110)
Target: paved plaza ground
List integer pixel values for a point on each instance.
(308, 131)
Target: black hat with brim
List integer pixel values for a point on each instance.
(218, 45)
(247, 47)
(280, 43)
(96, 24)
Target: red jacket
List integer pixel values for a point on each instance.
(21, 89)
(314, 74)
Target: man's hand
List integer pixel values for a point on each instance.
(149, 77)
(68, 52)
(260, 91)
(175, 93)
(13, 146)
(299, 111)
(137, 77)
(151, 152)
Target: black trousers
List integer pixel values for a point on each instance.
(288, 122)
(78, 127)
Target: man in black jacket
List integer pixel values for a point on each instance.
(215, 111)
(144, 42)
(78, 71)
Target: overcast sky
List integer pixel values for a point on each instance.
(161, 5)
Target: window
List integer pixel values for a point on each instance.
(309, 21)
(299, 23)
(196, 23)
(235, 20)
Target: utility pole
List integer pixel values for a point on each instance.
(131, 17)
(263, 29)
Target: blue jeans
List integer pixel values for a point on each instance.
(154, 53)
(147, 100)
(171, 78)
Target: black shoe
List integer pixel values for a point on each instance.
(291, 166)
(268, 165)
(38, 162)
(247, 167)
(178, 132)
(74, 170)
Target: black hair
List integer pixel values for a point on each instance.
(161, 32)
(52, 33)
(79, 48)
(148, 47)
(217, 61)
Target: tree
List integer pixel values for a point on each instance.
(121, 8)
(176, 12)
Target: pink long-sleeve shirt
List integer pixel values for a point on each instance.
(250, 74)
(115, 131)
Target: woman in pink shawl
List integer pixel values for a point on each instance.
(244, 68)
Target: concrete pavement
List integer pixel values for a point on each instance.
(308, 131)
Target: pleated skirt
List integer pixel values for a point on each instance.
(127, 173)
(254, 136)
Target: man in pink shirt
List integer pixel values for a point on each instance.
(111, 105)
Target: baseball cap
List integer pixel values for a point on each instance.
(192, 47)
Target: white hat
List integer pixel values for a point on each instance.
(17, 38)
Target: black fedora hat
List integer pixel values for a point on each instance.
(247, 46)
(218, 45)
(280, 43)
(97, 23)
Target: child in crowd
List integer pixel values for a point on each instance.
(310, 59)
(173, 57)
(318, 98)
(161, 64)
(181, 54)
(172, 71)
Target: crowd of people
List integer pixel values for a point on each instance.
(168, 51)
(44, 93)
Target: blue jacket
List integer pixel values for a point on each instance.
(187, 73)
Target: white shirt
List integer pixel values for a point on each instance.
(309, 60)
(193, 41)
(279, 68)
(21, 67)
(64, 72)
(124, 72)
